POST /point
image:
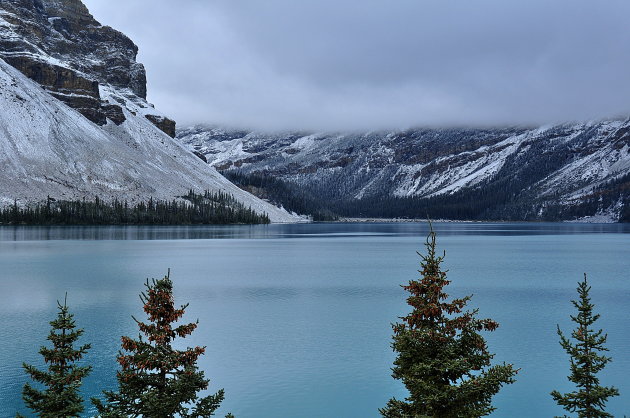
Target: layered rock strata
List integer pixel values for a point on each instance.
(60, 45)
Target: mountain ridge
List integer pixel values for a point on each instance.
(555, 166)
(74, 119)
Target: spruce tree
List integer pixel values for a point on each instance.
(61, 397)
(442, 359)
(589, 400)
(157, 380)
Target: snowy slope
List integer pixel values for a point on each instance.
(551, 165)
(49, 149)
(411, 163)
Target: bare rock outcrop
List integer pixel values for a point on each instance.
(165, 124)
(60, 45)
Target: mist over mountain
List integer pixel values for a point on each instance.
(76, 124)
(556, 172)
(376, 65)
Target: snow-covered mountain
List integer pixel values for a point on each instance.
(74, 120)
(521, 173)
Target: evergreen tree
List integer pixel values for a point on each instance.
(442, 359)
(157, 380)
(590, 398)
(61, 397)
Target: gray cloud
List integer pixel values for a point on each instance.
(367, 64)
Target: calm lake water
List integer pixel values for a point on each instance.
(296, 318)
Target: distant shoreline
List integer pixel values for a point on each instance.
(592, 219)
(401, 220)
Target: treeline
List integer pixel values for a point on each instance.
(506, 198)
(609, 194)
(190, 209)
(282, 193)
(326, 204)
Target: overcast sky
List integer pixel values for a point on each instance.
(366, 64)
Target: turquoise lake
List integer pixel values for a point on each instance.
(296, 318)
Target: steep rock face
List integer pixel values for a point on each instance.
(64, 31)
(164, 124)
(64, 84)
(61, 46)
(527, 170)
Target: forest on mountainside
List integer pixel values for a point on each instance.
(507, 198)
(190, 209)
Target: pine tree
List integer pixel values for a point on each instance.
(157, 380)
(61, 397)
(442, 359)
(590, 398)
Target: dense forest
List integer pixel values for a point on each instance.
(282, 193)
(503, 199)
(190, 209)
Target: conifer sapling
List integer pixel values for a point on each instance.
(61, 398)
(589, 400)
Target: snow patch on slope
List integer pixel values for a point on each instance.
(462, 170)
(590, 171)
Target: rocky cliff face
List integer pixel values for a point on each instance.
(58, 44)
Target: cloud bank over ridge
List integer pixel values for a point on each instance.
(369, 64)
